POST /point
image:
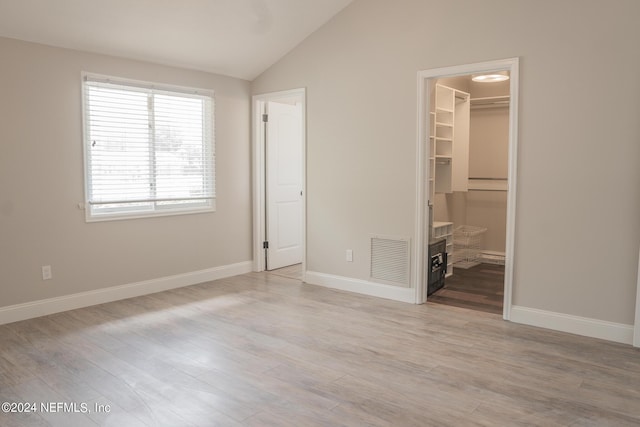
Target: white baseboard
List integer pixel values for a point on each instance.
(29, 310)
(585, 326)
(492, 257)
(361, 286)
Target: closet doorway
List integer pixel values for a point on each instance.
(468, 124)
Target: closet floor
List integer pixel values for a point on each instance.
(478, 288)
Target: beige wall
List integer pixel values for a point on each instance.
(578, 174)
(41, 182)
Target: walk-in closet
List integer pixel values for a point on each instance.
(468, 186)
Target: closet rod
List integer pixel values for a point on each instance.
(490, 102)
(489, 184)
(490, 99)
(489, 179)
(489, 106)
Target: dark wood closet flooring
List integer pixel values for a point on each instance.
(478, 288)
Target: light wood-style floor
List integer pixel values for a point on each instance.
(265, 350)
(292, 271)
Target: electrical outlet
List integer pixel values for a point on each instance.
(349, 255)
(46, 272)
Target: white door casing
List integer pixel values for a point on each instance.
(283, 196)
(636, 325)
(422, 197)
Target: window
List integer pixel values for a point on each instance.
(149, 150)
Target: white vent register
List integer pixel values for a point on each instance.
(390, 260)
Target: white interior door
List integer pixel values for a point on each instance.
(284, 184)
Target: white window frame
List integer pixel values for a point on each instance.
(208, 202)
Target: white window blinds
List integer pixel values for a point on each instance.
(148, 150)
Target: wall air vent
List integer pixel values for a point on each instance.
(390, 261)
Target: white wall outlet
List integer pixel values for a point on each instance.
(349, 255)
(46, 272)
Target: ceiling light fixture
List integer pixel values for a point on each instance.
(491, 77)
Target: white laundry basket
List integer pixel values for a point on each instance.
(467, 242)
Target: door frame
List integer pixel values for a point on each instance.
(422, 213)
(636, 324)
(259, 169)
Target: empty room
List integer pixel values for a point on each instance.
(319, 213)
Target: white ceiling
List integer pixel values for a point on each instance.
(239, 38)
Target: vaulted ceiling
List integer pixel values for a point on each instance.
(239, 38)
